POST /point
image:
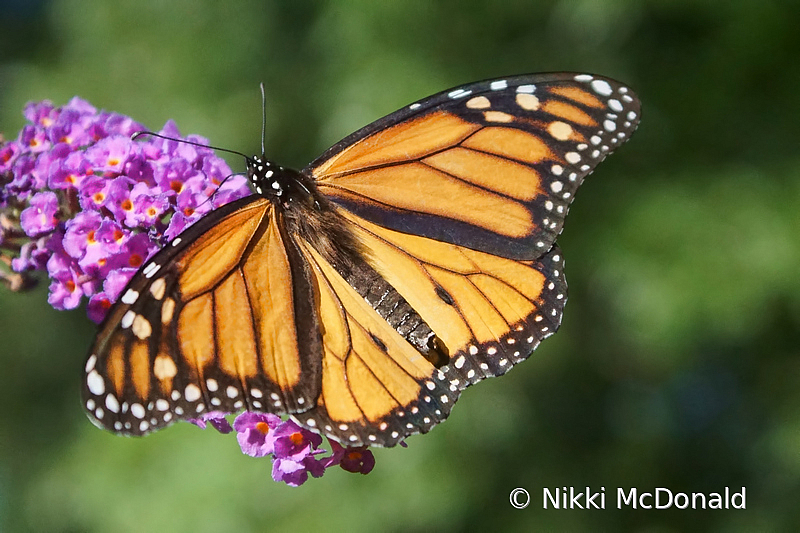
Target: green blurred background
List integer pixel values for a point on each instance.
(677, 362)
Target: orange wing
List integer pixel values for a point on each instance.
(492, 166)
(376, 387)
(220, 320)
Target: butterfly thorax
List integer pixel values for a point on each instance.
(305, 212)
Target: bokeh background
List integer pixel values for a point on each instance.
(678, 360)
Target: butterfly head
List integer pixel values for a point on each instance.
(282, 186)
(266, 177)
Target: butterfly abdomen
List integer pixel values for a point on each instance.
(395, 310)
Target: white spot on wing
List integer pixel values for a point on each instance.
(458, 93)
(95, 383)
(112, 403)
(192, 392)
(137, 410)
(129, 297)
(601, 87)
(127, 319)
(155, 268)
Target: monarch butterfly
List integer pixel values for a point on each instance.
(363, 293)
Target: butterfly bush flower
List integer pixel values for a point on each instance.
(84, 202)
(355, 460)
(88, 205)
(255, 432)
(294, 449)
(216, 419)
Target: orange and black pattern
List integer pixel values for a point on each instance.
(364, 293)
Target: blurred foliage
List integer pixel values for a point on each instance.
(677, 362)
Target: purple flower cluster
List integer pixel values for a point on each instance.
(80, 199)
(294, 450)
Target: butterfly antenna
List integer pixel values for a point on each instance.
(263, 120)
(153, 134)
(184, 141)
(219, 187)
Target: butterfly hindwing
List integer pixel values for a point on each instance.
(217, 321)
(492, 166)
(376, 387)
(489, 312)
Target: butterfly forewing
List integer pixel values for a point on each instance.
(491, 166)
(214, 322)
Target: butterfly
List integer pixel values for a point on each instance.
(362, 294)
